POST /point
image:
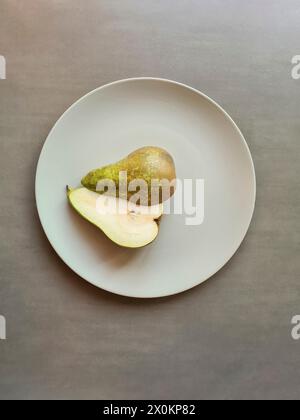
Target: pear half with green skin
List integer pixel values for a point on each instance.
(148, 164)
(125, 223)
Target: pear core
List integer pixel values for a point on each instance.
(125, 223)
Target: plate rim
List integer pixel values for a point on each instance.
(206, 97)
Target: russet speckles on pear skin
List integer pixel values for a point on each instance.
(146, 164)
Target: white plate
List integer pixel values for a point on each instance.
(106, 125)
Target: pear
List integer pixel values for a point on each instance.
(125, 223)
(153, 165)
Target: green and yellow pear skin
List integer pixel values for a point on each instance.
(151, 164)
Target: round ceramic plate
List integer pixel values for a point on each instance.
(109, 123)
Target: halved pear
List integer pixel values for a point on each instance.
(125, 223)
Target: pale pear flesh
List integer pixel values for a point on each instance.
(125, 223)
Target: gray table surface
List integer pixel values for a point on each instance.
(227, 339)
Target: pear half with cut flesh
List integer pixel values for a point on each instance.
(125, 223)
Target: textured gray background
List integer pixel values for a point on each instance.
(229, 338)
